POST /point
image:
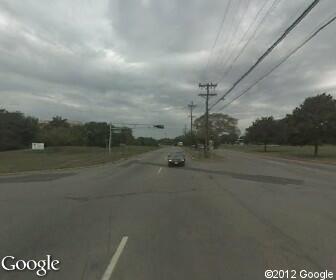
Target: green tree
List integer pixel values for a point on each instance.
(263, 130)
(229, 138)
(58, 121)
(313, 122)
(188, 139)
(166, 141)
(125, 136)
(54, 136)
(146, 141)
(16, 130)
(220, 126)
(97, 134)
(58, 132)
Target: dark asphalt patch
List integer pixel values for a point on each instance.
(78, 198)
(121, 195)
(268, 179)
(35, 178)
(129, 163)
(239, 176)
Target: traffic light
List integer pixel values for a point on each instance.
(160, 126)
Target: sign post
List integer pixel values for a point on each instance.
(115, 129)
(38, 146)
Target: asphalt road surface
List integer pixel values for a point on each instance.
(226, 219)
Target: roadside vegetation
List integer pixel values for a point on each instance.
(64, 157)
(309, 131)
(18, 131)
(222, 129)
(312, 124)
(67, 144)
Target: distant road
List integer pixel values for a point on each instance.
(227, 219)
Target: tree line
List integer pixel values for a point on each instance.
(223, 129)
(311, 123)
(18, 131)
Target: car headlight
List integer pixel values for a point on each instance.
(169, 160)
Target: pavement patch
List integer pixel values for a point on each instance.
(129, 163)
(268, 179)
(35, 178)
(122, 195)
(240, 176)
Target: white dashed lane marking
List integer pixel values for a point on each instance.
(109, 270)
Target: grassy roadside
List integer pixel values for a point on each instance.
(64, 157)
(327, 153)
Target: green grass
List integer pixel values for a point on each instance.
(327, 153)
(64, 157)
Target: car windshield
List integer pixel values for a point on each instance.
(167, 139)
(177, 155)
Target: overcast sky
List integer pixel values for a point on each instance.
(141, 60)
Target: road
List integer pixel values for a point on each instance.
(219, 219)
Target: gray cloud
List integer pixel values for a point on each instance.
(141, 61)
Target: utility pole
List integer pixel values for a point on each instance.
(110, 138)
(191, 107)
(207, 95)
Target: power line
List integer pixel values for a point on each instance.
(230, 48)
(254, 19)
(227, 8)
(230, 34)
(310, 37)
(136, 124)
(272, 7)
(270, 49)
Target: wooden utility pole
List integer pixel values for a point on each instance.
(206, 95)
(110, 138)
(191, 107)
